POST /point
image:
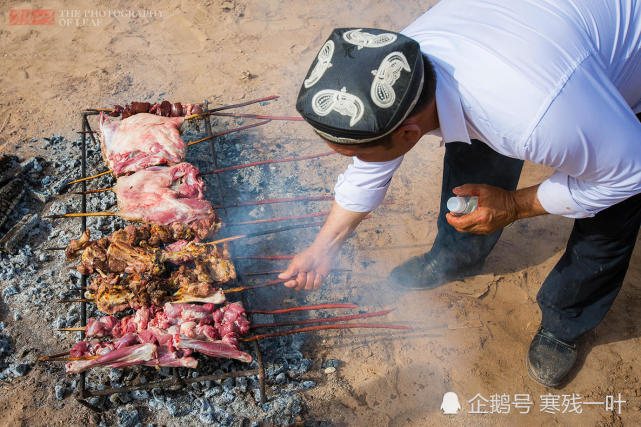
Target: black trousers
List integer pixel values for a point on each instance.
(582, 286)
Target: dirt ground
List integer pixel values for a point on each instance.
(471, 336)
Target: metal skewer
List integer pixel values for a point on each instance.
(265, 162)
(262, 233)
(324, 327)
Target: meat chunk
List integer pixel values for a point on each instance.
(141, 141)
(163, 195)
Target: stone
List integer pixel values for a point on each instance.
(330, 370)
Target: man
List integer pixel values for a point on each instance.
(550, 81)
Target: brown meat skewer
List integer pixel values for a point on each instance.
(184, 300)
(224, 107)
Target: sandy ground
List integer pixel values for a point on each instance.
(471, 336)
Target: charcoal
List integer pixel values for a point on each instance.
(42, 196)
(9, 168)
(31, 164)
(177, 409)
(308, 384)
(60, 391)
(280, 378)
(21, 369)
(331, 363)
(213, 391)
(18, 232)
(10, 291)
(10, 195)
(127, 418)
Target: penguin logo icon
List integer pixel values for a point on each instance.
(450, 405)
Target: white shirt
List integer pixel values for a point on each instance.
(556, 82)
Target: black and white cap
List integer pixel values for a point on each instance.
(362, 85)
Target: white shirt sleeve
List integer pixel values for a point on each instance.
(593, 139)
(363, 185)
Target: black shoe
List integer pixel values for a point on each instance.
(550, 359)
(430, 270)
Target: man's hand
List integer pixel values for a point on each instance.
(308, 269)
(496, 209)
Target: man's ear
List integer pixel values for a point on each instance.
(408, 133)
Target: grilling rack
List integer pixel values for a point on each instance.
(176, 379)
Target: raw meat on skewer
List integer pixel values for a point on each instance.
(169, 334)
(164, 108)
(111, 255)
(163, 195)
(141, 141)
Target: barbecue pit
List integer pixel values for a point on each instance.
(177, 379)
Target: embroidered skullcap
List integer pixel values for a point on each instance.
(362, 85)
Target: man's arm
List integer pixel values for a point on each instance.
(309, 268)
(497, 208)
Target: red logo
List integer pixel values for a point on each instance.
(32, 17)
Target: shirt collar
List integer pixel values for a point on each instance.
(449, 109)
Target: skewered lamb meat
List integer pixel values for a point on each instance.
(149, 235)
(116, 292)
(141, 141)
(164, 108)
(114, 254)
(163, 195)
(174, 332)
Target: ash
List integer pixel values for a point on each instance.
(33, 279)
